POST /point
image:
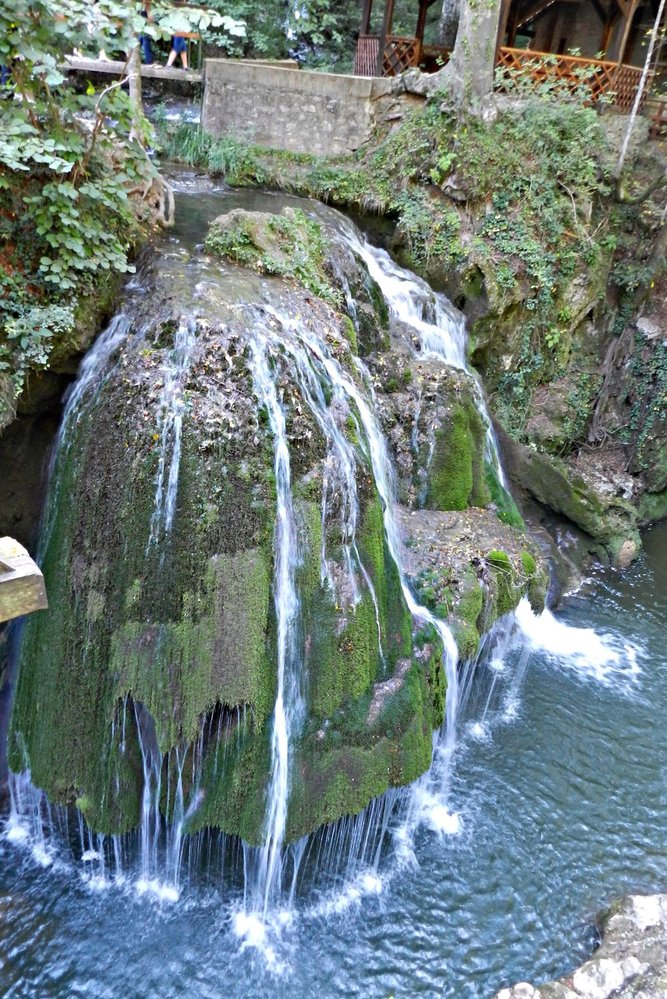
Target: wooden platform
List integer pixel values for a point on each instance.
(22, 588)
(115, 68)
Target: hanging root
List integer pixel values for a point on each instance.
(158, 194)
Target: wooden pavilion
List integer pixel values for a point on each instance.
(386, 54)
(608, 36)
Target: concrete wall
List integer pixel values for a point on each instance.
(286, 109)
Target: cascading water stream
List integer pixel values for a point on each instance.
(384, 481)
(289, 705)
(440, 329)
(172, 407)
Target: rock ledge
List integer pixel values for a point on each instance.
(630, 962)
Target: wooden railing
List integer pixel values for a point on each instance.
(366, 56)
(599, 77)
(400, 53)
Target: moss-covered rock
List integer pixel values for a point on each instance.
(162, 640)
(290, 245)
(470, 568)
(456, 473)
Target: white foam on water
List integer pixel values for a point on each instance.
(14, 831)
(480, 731)
(158, 889)
(255, 932)
(602, 657)
(89, 855)
(511, 709)
(43, 856)
(434, 813)
(96, 882)
(352, 893)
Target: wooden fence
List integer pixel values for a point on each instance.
(596, 76)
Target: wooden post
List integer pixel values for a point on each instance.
(366, 18)
(421, 26)
(608, 29)
(387, 22)
(629, 11)
(502, 27)
(512, 22)
(421, 19)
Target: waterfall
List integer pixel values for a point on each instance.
(439, 328)
(289, 706)
(170, 427)
(337, 391)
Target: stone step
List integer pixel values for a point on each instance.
(22, 589)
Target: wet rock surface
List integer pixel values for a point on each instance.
(631, 962)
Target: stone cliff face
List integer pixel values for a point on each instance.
(587, 439)
(160, 551)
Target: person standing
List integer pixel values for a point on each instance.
(144, 40)
(179, 46)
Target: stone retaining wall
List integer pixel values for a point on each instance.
(283, 108)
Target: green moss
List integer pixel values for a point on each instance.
(350, 333)
(290, 245)
(395, 619)
(456, 474)
(652, 507)
(507, 509)
(528, 563)
(506, 595)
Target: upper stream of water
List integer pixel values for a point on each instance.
(550, 804)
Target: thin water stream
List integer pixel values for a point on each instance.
(545, 800)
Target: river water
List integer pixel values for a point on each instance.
(559, 784)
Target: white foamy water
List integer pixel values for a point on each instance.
(439, 328)
(603, 657)
(158, 889)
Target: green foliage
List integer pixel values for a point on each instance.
(645, 429)
(318, 33)
(71, 167)
(29, 332)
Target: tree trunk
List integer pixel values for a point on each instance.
(449, 23)
(470, 71)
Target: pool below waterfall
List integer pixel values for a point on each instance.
(560, 785)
